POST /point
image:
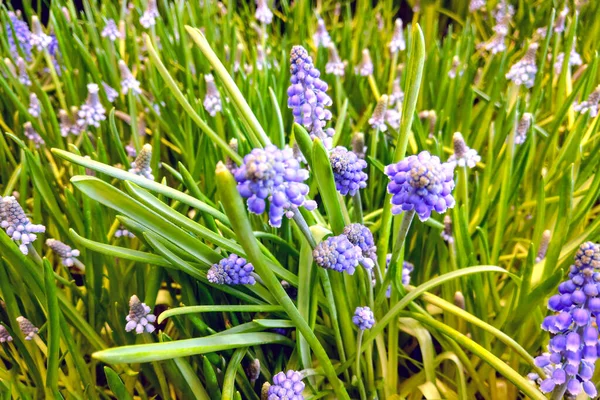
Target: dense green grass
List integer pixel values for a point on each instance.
(422, 344)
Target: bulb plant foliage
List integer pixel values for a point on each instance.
(297, 200)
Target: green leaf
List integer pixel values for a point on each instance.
(116, 384)
(227, 308)
(183, 348)
(54, 334)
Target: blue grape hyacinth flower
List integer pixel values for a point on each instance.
(19, 31)
(273, 175)
(140, 317)
(307, 96)
(523, 71)
(348, 171)
(17, 225)
(286, 386)
(339, 254)
(233, 270)
(363, 318)
(359, 235)
(421, 183)
(573, 349)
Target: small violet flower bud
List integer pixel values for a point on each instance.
(139, 317)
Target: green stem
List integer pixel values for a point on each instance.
(358, 214)
(404, 227)
(361, 386)
(464, 183)
(234, 207)
(303, 226)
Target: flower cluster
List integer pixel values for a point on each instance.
(233, 270)
(559, 25)
(111, 31)
(365, 68)
(454, 71)
(447, 231)
(475, 5)
(363, 318)
(17, 29)
(335, 65)
(384, 116)
(463, 155)
(503, 15)
(573, 350)
(523, 127)
(421, 183)
(574, 59)
(39, 39)
(23, 75)
(123, 232)
(92, 111)
(275, 175)
(359, 235)
(338, 253)
(523, 71)
(321, 36)
(139, 317)
(34, 105)
(263, 12)
(397, 95)
(286, 386)
(307, 96)
(110, 92)
(66, 253)
(141, 166)
(591, 104)
(544, 242)
(4, 335)
(358, 144)
(348, 171)
(67, 125)
(128, 82)
(212, 100)
(148, 18)
(32, 135)
(27, 328)
(16, 224)
(397, 43)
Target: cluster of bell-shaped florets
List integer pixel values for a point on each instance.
(92, 112)
(591, 104)
(111, 31)
(140, 317)
(5, 335)
(523, 71)
(148, 18)
(233, 270)
(338, 253)
(212, 100)
(363, 318)
(359, 235)
(65, 252)
(573, 350)
(128, 81)
(463, 156)
(421, 183)
(348, 171)
(335, 65)
(274, 175)
(16, 224)
(286, 386)
(384, 116)
(18, 29)
(27, 328)
(141, 166)
(307, 96)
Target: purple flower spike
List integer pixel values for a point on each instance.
(591, 104)
(397, 43)
(65, 252)
(32, 135)
(140, 317)
(111, 31)
(23, 75)
(128, 82)
(321, 36)
(212, 100)
(286, 386)
(348, 171)
(19, 31)
(92, 112)
(573, 350)
(421, 183)
(4, 335)
(338, 253)
(148, 18)
(273, 175)
(365, 68)
(27, 328)
(523, 71)
(307, 96)
(363, 318)
(233, 270)
(359, 235)
(263, 12)
(17, 225)
(335, 65)
(39, 39)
